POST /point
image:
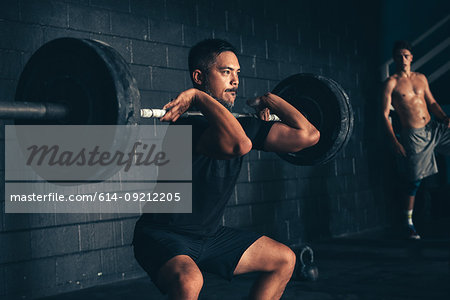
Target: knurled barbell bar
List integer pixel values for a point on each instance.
(86, 82)
(33, 111)
(158, 113)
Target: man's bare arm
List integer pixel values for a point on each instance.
(434, 107)
(293, 133)
(387, 100)
(224, 138)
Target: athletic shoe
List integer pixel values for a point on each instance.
(411, 233)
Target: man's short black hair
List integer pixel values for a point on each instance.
(204, 53)
(398, 45)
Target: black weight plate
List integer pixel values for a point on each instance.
(88, 76)
(347, 120)
(326, 105)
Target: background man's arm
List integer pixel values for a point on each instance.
(434, 107)
(224, 138)
(387, 100)
(293, 133)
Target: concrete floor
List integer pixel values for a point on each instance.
(364, 267)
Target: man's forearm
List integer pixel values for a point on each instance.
(288, 114)
(225, 131)
(215, 112)
(390, 130)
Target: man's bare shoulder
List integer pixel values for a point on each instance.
(391, 82)
(420, 76)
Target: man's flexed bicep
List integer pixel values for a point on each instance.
(293, 133)
(282, 138)
(216, 143)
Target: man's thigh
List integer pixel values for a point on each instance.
(443, 145)
(153, 248)
(221, 253)
(264, 255)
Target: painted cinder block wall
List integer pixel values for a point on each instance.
(45, 254)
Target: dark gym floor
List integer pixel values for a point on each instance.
(370, 266)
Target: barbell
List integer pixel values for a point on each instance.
(70, 81)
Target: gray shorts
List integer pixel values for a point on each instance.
(420, 144)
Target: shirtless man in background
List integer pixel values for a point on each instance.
(410, 95)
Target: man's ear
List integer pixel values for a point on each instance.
(197, 76)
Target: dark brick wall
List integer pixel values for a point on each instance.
(47, 254)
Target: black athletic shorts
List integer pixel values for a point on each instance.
(218, 254)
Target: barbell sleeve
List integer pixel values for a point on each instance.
(33, 110)
(159, 113)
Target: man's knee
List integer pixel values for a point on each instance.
(412, 187)
(283, 262)
(287, 260)
(182, 278)
(189, 284)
